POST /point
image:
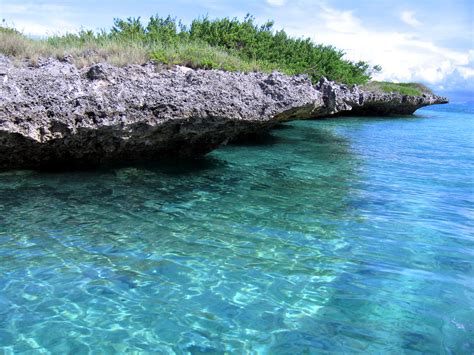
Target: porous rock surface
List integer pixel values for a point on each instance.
(54, 114)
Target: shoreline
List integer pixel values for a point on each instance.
(55, 114)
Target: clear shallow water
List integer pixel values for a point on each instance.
(349, 235)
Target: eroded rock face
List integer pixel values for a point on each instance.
(56, 115)
(343, 100)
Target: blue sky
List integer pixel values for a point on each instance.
(424, 40)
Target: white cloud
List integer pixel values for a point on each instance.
(339, 21)
(37, 29)
(55, 18)
(13, 8)
(276, 2)
(409, 18)
(404, 56)
(29, 8)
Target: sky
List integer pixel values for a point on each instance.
(429, 41)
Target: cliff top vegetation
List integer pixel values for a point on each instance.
(413, 89)
(228, 44)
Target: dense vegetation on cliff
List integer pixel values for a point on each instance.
(228, 44)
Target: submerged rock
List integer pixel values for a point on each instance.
(55, 114)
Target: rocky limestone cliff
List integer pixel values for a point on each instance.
(54, 114)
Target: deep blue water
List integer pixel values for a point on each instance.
(340, 236)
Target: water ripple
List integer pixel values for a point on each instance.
(343, 236)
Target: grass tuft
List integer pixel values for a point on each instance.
(84, 51)
(412, 89)
(201, 55)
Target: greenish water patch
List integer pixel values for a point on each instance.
(350, 235)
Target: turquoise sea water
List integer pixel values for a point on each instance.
(340, 236)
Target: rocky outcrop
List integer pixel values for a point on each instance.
(343, 100)
(54, 114)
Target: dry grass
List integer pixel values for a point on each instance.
(20, 48)
(87, 49)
